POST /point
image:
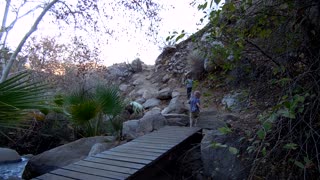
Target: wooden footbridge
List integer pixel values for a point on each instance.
(132, 160)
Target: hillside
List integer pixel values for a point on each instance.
(261, 63)
(257, 66)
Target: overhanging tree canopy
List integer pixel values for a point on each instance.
(87, 15)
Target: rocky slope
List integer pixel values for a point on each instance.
(161, 91)
(234, 93)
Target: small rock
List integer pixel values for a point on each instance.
(9, 155)
(123, 87)
(150, 103)
(98, 148)
(165, 78)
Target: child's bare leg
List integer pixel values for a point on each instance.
(190, 118)
(195, 121)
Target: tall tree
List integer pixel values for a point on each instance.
(75, 60)
(82, 14)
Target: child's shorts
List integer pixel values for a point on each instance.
(195, 114)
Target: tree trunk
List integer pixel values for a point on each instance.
(4, 20)
(2, 31)
(7, 67)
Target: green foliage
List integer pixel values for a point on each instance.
(110, 100)
(261, 133)
(290, 146)
(202, 6)
(306, 163)
(18, 95)
(299, 164)
(88, 110)
(282, 50)
(218, 145)
(224, 130)
(175, 37)
(267, 125)
(264, 151)
(233, 150)
(195, 84)
(83, 111)
(289, 107)
(221, 54)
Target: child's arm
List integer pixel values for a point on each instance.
(198, 104)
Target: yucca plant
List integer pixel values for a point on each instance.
(18, 95)
(88, 109)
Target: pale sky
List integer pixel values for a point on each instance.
(127, 46)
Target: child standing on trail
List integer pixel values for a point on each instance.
(194, 108)
(188, 83)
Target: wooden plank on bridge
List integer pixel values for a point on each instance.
(99, 172)
(114, 162)
(49, 176)
(126, 160)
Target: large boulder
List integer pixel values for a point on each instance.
(166, 78)
(211, 120)
(62, 156)
(221, 161)
(117, 71)
(140, 100)
(145, 92)
(177, 119)
(165, 94)
(175, 106)
(150, 103)
(130, 129)
(149, 93)
(153, 120)
(153, 111)
(9, 155)
(138, 82)
(234, 102)
(136, 93)
(175, 94)
(99, 147)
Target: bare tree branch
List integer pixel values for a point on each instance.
(8, 66)
(264, 53)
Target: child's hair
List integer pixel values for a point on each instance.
(197, 94)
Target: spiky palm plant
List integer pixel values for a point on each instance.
(88, 109)
(18, 95)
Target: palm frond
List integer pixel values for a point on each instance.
(87, 109)
(110, 100)
(80, 107)
(83, 112)
(17, 95)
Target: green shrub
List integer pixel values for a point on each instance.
(89, 111)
